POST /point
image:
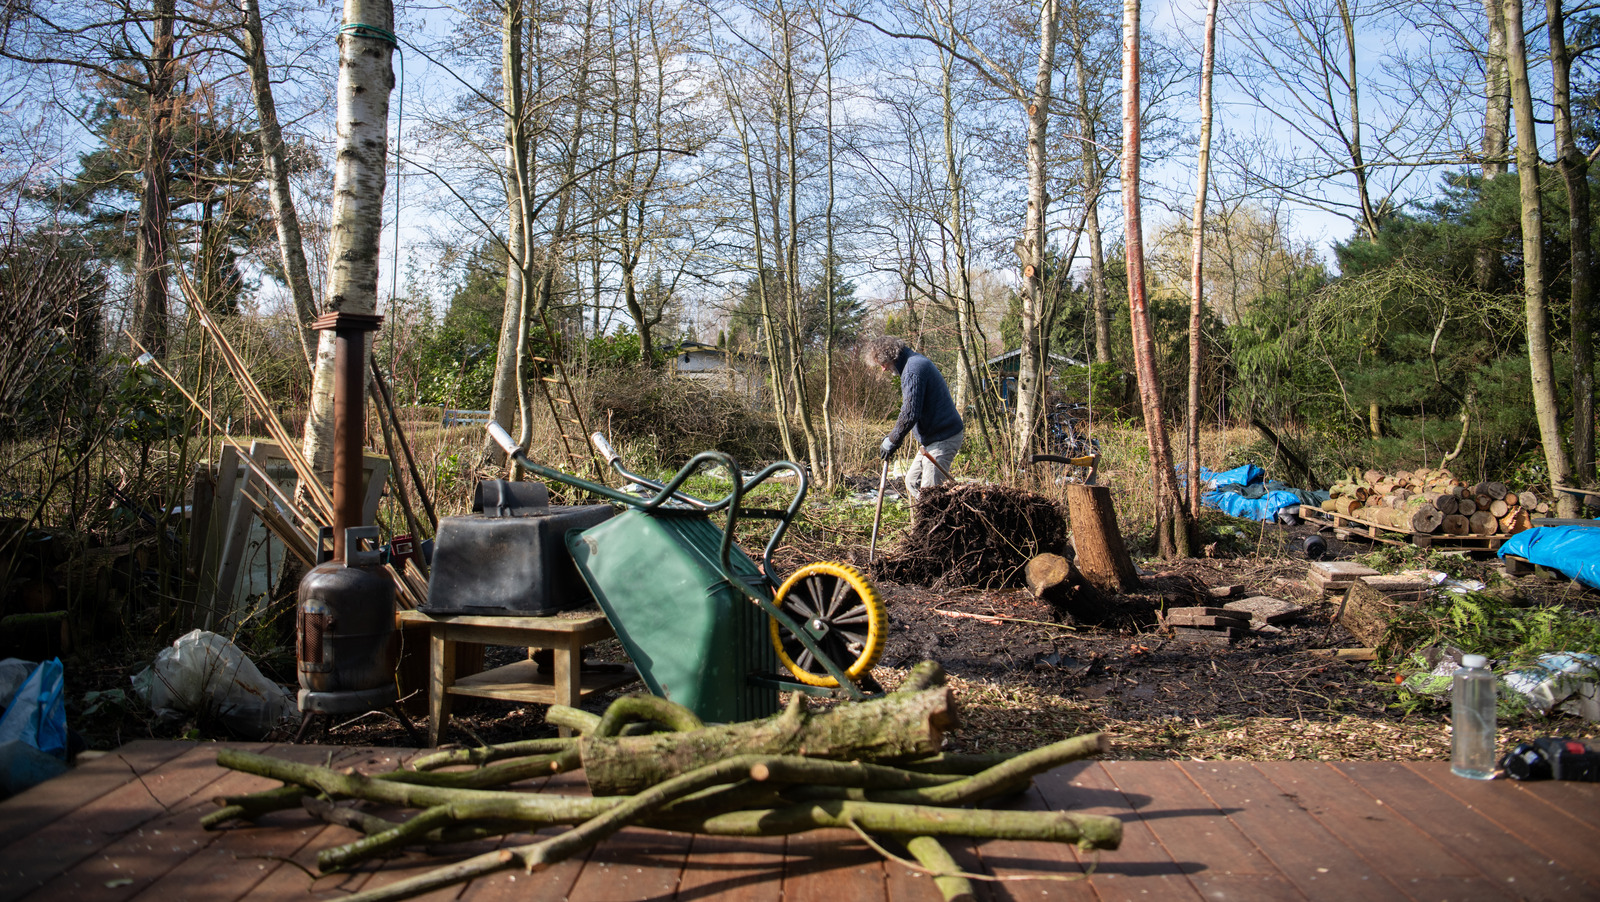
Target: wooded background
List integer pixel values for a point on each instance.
(592, 183)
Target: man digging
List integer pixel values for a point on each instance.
(926, 411)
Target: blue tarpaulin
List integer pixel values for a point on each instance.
(1264, 508)
(1572, 550)
(1249, 474)
(1244, 491)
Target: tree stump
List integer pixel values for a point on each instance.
(1102, 557)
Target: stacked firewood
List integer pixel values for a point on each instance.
(1433, 501)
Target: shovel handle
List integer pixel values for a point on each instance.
(877, 515)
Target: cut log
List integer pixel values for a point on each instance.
(1528, 500)
(1426, 518)
(1482, 523)
(1455, 525)
(1499, 508)
(1053, 579)
(1466, 506)
(1445, 503)
(900, 725)
(1495, 490)
(1102, 557)
(1515, 522)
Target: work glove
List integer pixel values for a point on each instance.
(888, 449)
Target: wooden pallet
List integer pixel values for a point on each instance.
(1353, 527)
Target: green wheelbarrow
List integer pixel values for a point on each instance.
(705, 625)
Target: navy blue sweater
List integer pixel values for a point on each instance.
(926, 409)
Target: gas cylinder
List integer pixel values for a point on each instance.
(345, 619)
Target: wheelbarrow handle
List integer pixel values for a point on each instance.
(503, 439)
(603, 447)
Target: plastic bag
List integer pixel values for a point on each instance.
(205, 675)
(37, 715)
(1560, 680)
(13, 673)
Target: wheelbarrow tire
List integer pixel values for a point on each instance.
(847, 605)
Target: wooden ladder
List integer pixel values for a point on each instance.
(550, 374)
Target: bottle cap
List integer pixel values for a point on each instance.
(1474, 661)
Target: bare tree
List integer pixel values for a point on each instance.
(1174, 527)
(1197, 273)
(1540, 356)
(1573, 166)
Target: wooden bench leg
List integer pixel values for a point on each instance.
(441, 676)
(568, 675)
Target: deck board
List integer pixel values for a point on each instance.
(126, 827)
(1321, 866)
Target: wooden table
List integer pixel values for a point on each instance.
(127, 827)
(564, 634)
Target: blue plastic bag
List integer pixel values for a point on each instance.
(38, 714)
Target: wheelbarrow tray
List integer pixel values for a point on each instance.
(694, 636)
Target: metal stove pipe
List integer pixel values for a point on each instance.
(349, 415)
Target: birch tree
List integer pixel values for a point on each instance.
(366, 78)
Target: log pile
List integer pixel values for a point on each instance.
(1433, 502)
(873, 767)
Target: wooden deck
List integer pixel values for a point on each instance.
(126, 826)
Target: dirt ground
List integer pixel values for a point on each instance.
(1023, 679)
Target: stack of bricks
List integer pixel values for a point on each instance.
(1219, 626)
(1330, 578)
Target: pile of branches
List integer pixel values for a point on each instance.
(969, 535)
(873, 767)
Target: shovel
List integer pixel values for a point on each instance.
(877, 516)
(938, 466)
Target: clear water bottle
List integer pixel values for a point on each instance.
(1472, 717)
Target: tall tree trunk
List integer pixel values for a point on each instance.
(508, 351)
(366, 77)
(797, 344)
(1486, 265)
(150, 302)
(1031, 377)
(1197, 255)
(1574, 169)
(291, 245)
(971, 359)
(1098, 296)
(1357, 154)
(829, 275)
(1540, 359)
(1173, 524)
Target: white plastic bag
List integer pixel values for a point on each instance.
(204, 674)
(13, 673)
(1562, 680)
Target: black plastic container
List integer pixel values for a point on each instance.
(509, 566)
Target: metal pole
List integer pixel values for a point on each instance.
(349, 415)
(877, 516)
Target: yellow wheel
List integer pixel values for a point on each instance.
(841, 609)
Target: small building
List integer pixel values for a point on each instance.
(708, 363)
(1004, 369)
